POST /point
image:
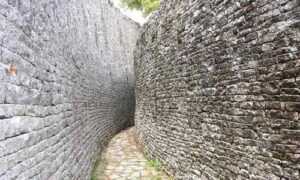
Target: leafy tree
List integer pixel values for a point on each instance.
(147, 6)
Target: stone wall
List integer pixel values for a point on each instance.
(66, 85)
(218, 88)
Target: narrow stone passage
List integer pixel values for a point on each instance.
(123, 160)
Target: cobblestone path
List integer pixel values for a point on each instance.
(123, 160)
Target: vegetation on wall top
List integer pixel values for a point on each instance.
(147, 6)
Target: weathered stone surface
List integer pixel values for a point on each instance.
(218, 88)
(71, 89)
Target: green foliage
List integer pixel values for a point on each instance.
(155, 164)
(156, 178)
(147, 6)
(99, 167)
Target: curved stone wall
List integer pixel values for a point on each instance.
(217, 89)
(66, 85)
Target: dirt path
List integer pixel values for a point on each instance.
(123, 160)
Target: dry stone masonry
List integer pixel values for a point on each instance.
(66, 85)
(218, 89)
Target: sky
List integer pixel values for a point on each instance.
(133, 14)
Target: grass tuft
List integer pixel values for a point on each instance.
(156, 164)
